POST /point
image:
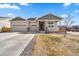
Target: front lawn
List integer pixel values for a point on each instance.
(54, 45)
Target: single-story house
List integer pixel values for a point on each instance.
(45, 23)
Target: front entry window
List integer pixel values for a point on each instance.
(50, 24)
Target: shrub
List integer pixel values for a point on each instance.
(61, 30)
(6, 29)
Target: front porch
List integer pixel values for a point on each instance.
(43, 26)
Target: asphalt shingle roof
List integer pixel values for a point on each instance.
(49, 16)
(18, 19)
(31, 19)
(46, 17)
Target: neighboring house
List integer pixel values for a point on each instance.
(44, 23)
(4, 22)
(74, 28)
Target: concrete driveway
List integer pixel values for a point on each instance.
(4, 36)
(73, 33)
(12, 44)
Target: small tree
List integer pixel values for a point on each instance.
(67, 22)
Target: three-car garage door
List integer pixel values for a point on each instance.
(20, 28)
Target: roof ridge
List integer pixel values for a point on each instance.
(49, 14)
(18, 18)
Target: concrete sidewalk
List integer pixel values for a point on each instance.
(15, 45)
(73, 33)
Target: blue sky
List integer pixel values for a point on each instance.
(27, 10)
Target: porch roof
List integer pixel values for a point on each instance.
(49, 16)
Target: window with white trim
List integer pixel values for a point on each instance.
(50, 24)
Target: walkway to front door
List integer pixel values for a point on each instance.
(41, 25)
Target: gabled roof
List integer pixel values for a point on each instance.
(49, 16)
(18, 19)
(31, 19)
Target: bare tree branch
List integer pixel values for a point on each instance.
(68, 22)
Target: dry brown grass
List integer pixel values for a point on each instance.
(52, 45)
(6, 29)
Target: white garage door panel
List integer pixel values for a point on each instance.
(19, 28)
(33, 28)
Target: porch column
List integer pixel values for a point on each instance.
(27, 23)
(46, 24)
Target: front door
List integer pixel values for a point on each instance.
(41, 25)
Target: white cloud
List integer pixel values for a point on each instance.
(33, 12)
(67, 4)
(10, 14)
(72, 14)
(25, 4)
(9, 6)
(76, 11)
(64, 15)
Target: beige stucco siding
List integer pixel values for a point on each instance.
(32, 22)
(33, 26)
(19, 22)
